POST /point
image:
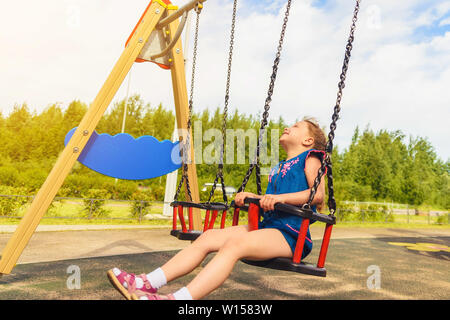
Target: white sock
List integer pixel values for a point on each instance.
(182, 294)
(157, 278)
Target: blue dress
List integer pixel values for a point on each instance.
(288, 177)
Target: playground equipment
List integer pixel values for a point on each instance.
(151, 40)
(190, 233)
(309, 216)
(155, 38)
(124, 157)
(306, 212)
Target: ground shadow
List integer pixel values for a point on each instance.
(403, 275)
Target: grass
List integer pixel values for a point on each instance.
(158, 223)
(68, 212)
(392, 225)
(74, 209)
(80, 221)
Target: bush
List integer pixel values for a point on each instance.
(443, 219)
(374, 213)
(92, 206)
(33, 178)
(10, 206)
(141, 205)
(345, 212)
(217, 196)
(76, 185)
(388, 214)
(8, 176)
(121, 189)
(157, 192)
(64, 192)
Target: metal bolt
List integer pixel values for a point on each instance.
(141, 40)
(75, 150)
(178, 50)
(157, 11)
(85, 132)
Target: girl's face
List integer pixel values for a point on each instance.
(296, 135)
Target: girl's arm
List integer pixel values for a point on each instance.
(312, 166)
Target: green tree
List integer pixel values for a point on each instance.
(111, 122)
(376, 166)
(48, 133)
(73, 115)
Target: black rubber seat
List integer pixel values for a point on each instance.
(286, 264)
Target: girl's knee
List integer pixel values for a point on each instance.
(208, 235)
(237, 246)
(207, 240)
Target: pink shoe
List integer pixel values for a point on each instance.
(155, 296)
(125, 283)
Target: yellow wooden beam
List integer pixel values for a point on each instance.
(176, 13)
(69, 156)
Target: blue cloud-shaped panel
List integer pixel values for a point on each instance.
(124, 157)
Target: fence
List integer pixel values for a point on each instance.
(14, 206)
(353, 211)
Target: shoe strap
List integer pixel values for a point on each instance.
(131, 282)
(147, 283)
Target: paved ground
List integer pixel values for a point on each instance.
(413, 264)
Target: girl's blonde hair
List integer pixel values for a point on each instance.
(320, 141)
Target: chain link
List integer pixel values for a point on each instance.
(326, 161)
(219, 174)
(265, 115)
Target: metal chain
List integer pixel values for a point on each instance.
(185, 149)
(265, 115)
(194, 65)
(326, 161)
(219, 174)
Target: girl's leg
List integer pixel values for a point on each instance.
(256, 245)
(190, 257)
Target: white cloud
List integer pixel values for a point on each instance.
(444, 22)
(394, 81)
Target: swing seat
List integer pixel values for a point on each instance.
(286, 264)
(190, 234)
(295, 264)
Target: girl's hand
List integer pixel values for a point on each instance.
(240, 197)
(268, 201)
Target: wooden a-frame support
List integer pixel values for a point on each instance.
(156, 10)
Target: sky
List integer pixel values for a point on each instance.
(55, 51)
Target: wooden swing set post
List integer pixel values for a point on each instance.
(151, 17)
(182, 114)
